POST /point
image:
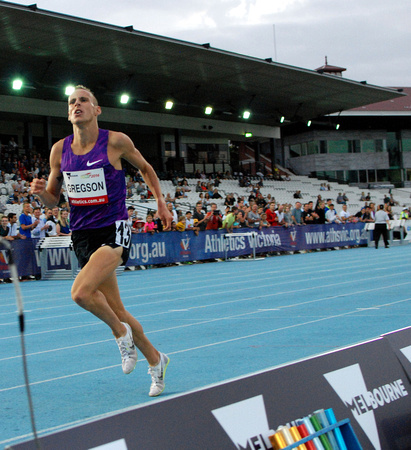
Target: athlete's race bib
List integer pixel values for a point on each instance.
(86, 187)
(123, 233)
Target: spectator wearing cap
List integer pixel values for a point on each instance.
(405, 213)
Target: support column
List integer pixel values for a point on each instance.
(47, 132)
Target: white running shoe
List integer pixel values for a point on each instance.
(128, 350)
(158, 374)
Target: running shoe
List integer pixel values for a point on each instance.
(128, 350)
(158, 374)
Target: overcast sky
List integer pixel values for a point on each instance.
(370, 38)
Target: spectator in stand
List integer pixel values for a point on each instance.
(372, 210)
(169, 199)
(359, 215)
(288, 218)
(170, 207)
(181, 224)
(14, 198)
(185, 186)
(392, 201)
(345, 215)
(13, 144)
(138, 226)
(253, 218)
(367, 217)
(198, 186)
(340, 199)
(25, 219)
(261, 201)
(39, 231)
(13, 228)
(280, 214)
(229, 221)
(213, 218)
(216, 194)
(297, 194)
(150, 226)
(362, 197)
(387, 199)
(306, 216)
(368, 197)
(296, 214)
(320, 214)
(63, 225)
(405, 213)
(189, 220)
(241, 220)
(264, 223)
(5, 229)
(331, 215)
(51, 223)
(56, 213)
(271, 215)
(327, 204)
(141, 189)
(229, 200)
(200, 217)
(179, 193)
(388, 210)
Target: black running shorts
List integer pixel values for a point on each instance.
(86, 242)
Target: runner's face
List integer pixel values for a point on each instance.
(82, 107)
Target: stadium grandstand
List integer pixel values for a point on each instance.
(184, 141)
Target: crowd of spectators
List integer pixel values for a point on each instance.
(253, 210)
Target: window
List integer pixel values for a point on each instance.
(338, 146)
(295, 150)
(406, 145)
(313, 148)
(368, 146)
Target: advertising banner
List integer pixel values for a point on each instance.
(172, 247)
(364, 383)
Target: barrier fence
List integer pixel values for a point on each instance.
(173, 247)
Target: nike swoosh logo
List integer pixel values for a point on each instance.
(92, 163)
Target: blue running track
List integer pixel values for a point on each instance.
(215, 321)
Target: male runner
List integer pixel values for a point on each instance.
(90, 162)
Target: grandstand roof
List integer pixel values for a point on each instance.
(50, 49)
(397, 106)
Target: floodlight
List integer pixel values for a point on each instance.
(248, 134)
(337, 127)
(69, 89)
(208, 110)
(282, 119)
(124, 99)
(17, 84)
(169, 104)
(246, 114)
(309, 123)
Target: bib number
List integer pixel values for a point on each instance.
(123, 233)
